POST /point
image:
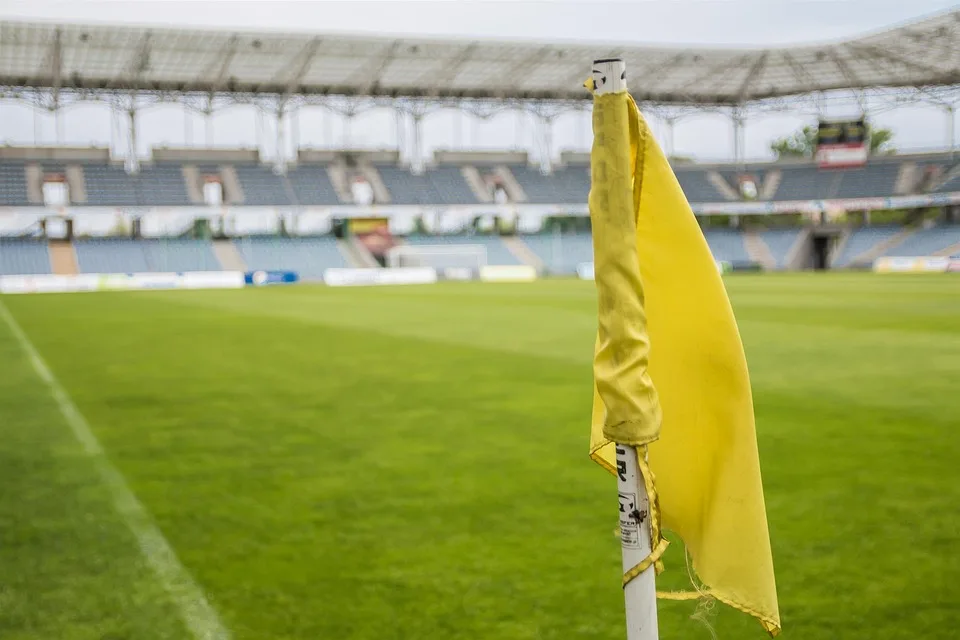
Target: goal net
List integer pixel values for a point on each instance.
(438, 256)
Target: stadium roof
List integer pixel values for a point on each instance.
(49, 55)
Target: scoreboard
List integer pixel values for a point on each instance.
(842, 143)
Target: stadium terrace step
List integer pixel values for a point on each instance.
(522, 252)
(769, 185)
(34, 177)
(228, 256)
(758, 250)
(509, 182)
(480, 191)
(908, 179)
(63, 258)
(232, 188)
(880, 248)
(76, 183)
(722, 186)
(356, 253)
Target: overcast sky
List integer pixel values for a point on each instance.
(695, 22)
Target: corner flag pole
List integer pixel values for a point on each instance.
(640, 594)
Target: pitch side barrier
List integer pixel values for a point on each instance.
(919, 264)
(98, 221)
(86, 282)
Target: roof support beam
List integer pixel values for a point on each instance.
(219, 70)
(889, 56)
(520, 68)
(140, 63)
(300, 65)
(56, 66)
(658, 72)
(800, 72)
(848, 74)
(369, 78)
(716, 73)
(743, 93)
(432, 82)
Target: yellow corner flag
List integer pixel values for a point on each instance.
(670, 372)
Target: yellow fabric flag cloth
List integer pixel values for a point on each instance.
(668, 351)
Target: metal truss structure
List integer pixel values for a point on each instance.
(53, 66)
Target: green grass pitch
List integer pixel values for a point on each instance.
(410, 462)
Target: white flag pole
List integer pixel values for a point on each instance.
(640, 594)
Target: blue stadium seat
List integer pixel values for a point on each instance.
(311, 185)
(780, 241)
(123, 255)
(309, 257)
(862, 240)
(443, 185)
(23, 257)
(696, 186)
(261, 186)
(497, 252)
(561, 253)
(926, 242)
(566, 185)
(13, 184)
(727, 245)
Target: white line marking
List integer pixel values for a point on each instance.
(201, 619)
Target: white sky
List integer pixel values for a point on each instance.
(698, 22)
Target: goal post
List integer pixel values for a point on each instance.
(438, 256)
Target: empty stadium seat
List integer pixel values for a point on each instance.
(163, 185)
(13, 184)
(442, 185)
(862, 240)
(312, 185)
(110, 185)
(727, 245)
(950, 185)
(160, 185)
(780, 241)
(497, 252)
(566, 185)
(179, 254)
(309, 257)
(807, 183)
(123, 255)
(261, 186)
(24, 257)
(696, 186)
(110, 255)
(561, 253)
(926, 242)
(875, 180)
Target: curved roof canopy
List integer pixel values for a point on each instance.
(49, 55)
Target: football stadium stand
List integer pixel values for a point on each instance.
(313, 190)
(163, 183)
(780, 242)
(727, 245)
(497, 251)
(566, 185)
(24, 257)
(13, 184)
(561, 254)
(927, 242)
(261, 186)
(441, 185)
(863, 241)
(122, 255)
(309, 257)
(311, 185)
